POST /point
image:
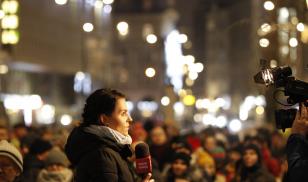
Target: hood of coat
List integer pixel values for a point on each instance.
(85, 139)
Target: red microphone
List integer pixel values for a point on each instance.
(143, 159)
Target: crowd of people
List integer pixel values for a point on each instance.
(214, 155)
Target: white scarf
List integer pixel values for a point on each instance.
(120, 138)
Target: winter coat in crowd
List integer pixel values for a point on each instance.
(97, 156)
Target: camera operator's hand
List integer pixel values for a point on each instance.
(300, 124)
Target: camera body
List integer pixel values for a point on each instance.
(295, 90)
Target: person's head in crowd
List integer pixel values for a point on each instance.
(4, 133)
(158, 136)
(264, 137)
(40, 148)
(172, 131)
(209, 143)
(206, 163)
(56, 167)
(25, 144)
(180, 164)
(252, 157)
(137, 132)
(108, 108)
(11, 162)
(179, 144)
(278, 141)
(233, 140)
(235, 154)
(20, 130)
(56, 160)
(46, 134)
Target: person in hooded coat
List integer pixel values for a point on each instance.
(252, 169)
(98, 149)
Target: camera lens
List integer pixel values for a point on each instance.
(284, 118)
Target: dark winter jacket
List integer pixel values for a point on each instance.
(97, 157)
(297, 155)
(32, 167)
(255, 174)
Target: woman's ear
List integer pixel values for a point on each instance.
(103, 119)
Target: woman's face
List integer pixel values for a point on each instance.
(120, 119)
(210, 143)
(250, 158)
(179, 167)
(158, 136)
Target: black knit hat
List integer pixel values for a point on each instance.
(183, 156)
(40, 146)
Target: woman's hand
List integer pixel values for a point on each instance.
(148, 178)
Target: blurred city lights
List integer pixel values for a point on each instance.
(235, 125)
(3, 69)
(189, 82)
(107, 9)
(150, 72)
(264, 42)
(199, 67)
(178, 108)
(273, 63)
(198, 117)
(122, 28)
(268, 5)
(260, 110)
(165, 101)
(266, 27)
(183, 38)
(45, 115)
(2, 14)
(108, 1)
(283, 13)
(208, 119)
(189, 59)
(130, 106)
(98, 4)
(221, 121)
(189, 100)
(10, 22)
(147, 108)
(300, 27)
(260, 100)
(10, 7)
(66, 119)
(220, 102)
(285, 50)
(174, 63)
(182, 92)
(293, 42)
(88, 27)
(60, 2)
(193, 75)
(10, 37)
(151, 39)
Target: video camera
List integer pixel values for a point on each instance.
(295, 90)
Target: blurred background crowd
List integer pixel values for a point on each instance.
(211, 155)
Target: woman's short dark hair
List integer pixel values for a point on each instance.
(102, 101)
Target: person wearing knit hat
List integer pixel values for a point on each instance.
(179, 167)
(11, 162)
(56, 168)
(34, 160)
